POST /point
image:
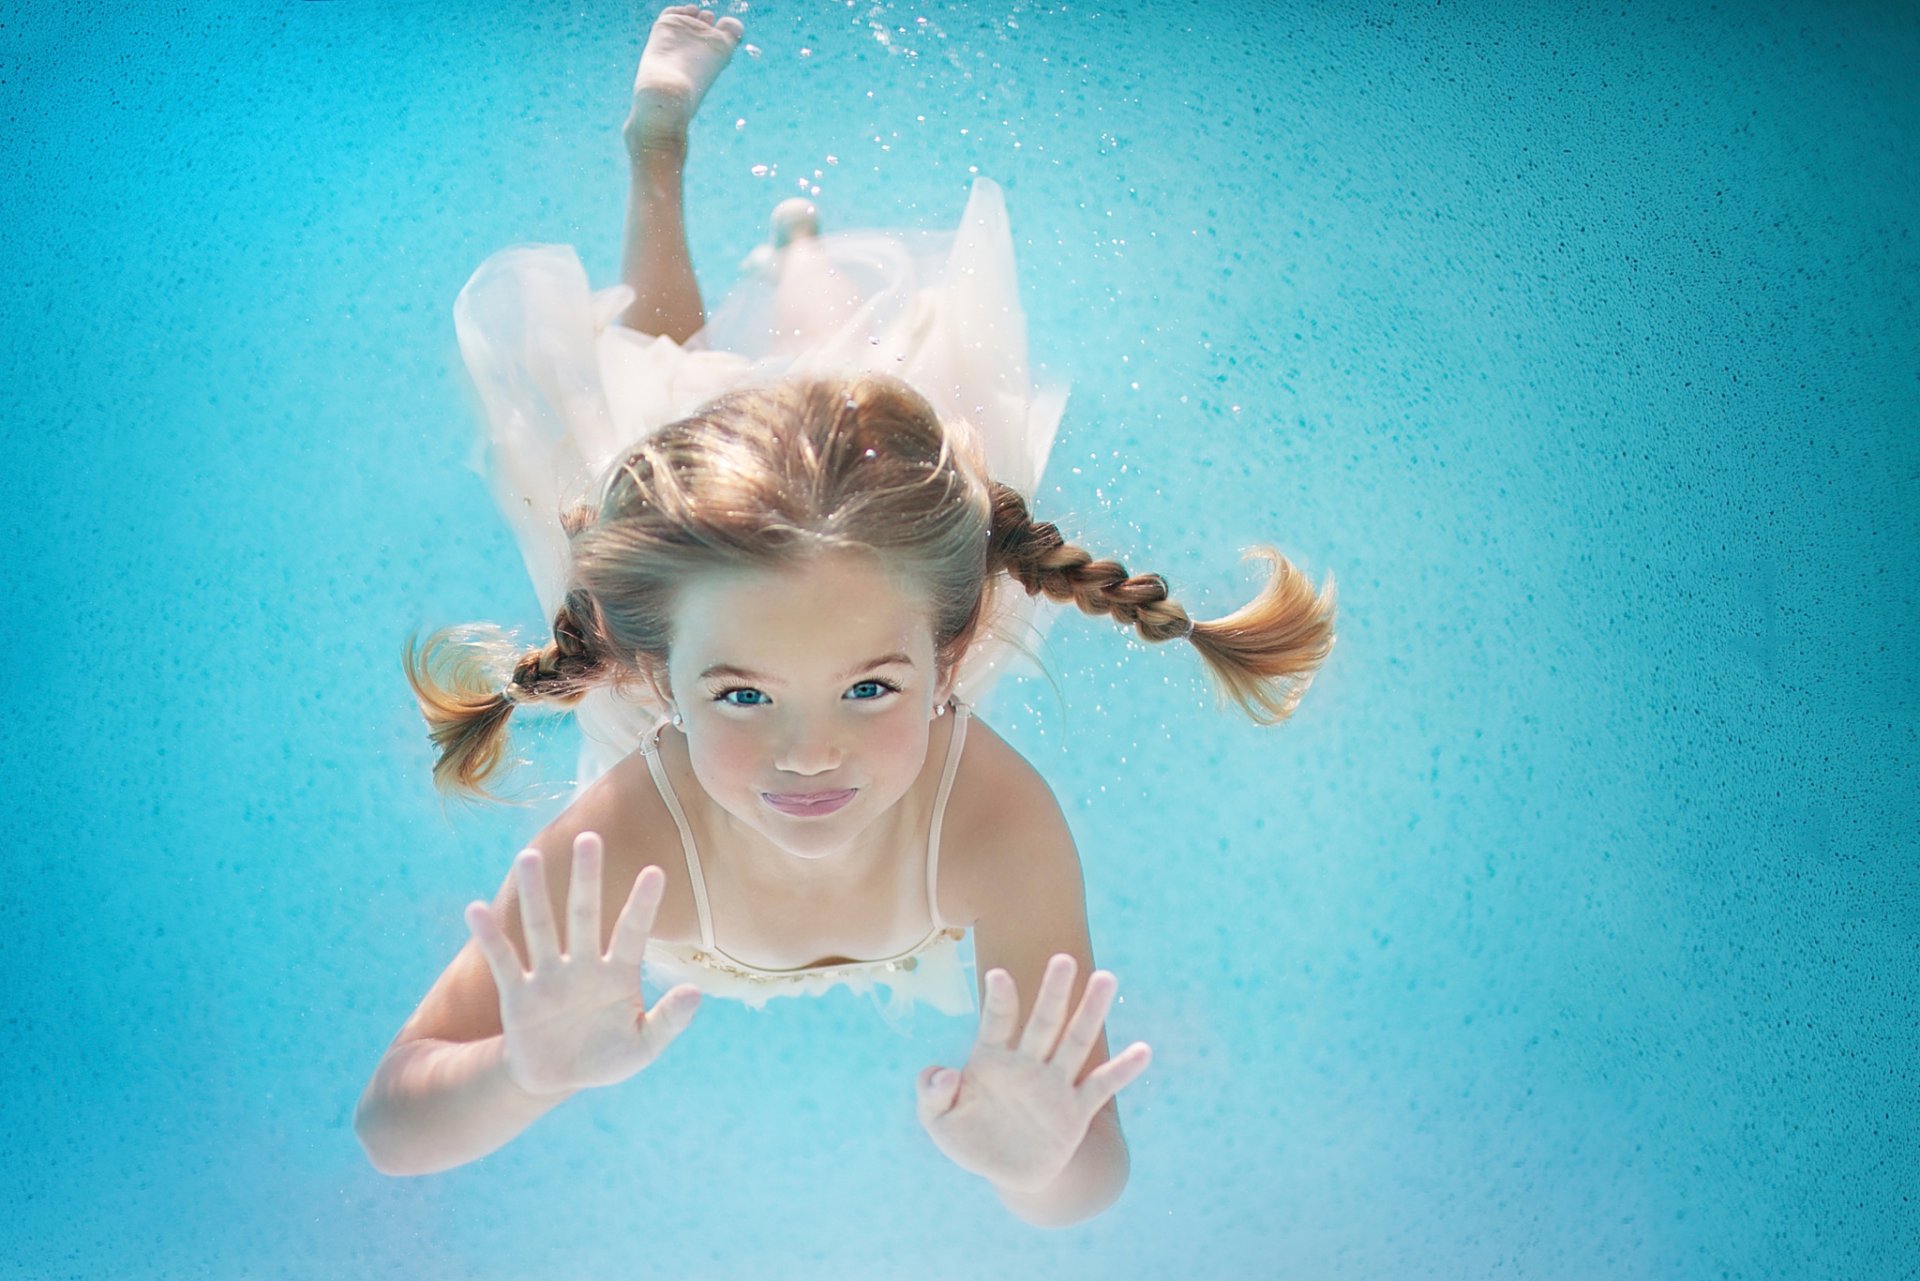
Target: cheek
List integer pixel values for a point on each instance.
(731, 755)
(899, 744)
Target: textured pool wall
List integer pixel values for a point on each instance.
(1567, 931)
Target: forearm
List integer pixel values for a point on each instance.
(1092, 1181)
(433, 1105)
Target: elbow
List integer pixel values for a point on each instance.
(1089, 1186)
(386, 1160)
(376, 1140)
(1069, 1209)
(1107, 1186)
(377, 1155)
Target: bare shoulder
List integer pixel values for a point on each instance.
(627, 812)
(1002, 808)
(633, 820)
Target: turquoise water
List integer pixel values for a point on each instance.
(1568, 931)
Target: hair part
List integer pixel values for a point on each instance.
(767, 477)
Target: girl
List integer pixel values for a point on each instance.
(780, 572)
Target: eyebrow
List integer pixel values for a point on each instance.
(885, 660)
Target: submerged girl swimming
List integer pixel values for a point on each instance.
(775, 571)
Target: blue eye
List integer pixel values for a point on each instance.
(859, 692)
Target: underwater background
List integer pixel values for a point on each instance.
(1570, 929)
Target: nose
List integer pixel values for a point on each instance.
(809, 751)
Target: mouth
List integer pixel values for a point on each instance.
(807, 804)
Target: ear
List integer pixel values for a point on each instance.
(653, 678)
(943, 685)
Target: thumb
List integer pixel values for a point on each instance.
(672, 1013)
(936, 1088)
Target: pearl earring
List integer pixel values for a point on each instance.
(677, 721)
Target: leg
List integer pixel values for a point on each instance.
(666, 297)
(811, 298)
(685, 51)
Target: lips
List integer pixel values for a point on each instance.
(807, 805)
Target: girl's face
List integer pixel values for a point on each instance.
(801, 682)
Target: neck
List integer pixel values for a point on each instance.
(765, 862)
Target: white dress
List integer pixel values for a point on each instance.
(564, 390)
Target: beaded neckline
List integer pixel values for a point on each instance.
(909, 960)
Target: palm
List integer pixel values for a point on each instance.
(576, 1018)
(581, 1021)
(1019, 1115)
(1012, 1113)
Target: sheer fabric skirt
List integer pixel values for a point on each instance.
(563, 390)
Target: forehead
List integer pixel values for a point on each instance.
(825, 612)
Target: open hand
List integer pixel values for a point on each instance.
(578, 1019)
(1015, 1115)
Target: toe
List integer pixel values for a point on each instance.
(731, 26)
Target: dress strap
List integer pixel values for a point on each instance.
(958, 737)
(650, 748)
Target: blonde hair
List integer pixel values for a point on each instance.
(767, 476)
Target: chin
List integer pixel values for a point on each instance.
(825, 836)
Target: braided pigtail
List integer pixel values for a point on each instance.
(457, 679)
(1263, 655)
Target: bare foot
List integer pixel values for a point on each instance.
(685, 53)
(792, 219)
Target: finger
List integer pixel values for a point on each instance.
(635, 926)
(536, 911)
(1050, 1007)
(933, 1098)
(494, 946)
(583, 899)
(1114, 1076)
(1095, 1001)
(999, 1011)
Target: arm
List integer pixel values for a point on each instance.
(1031, 908)
(435, 1104)
(1094, 1180)
(473, 1067)
(441, 1096)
